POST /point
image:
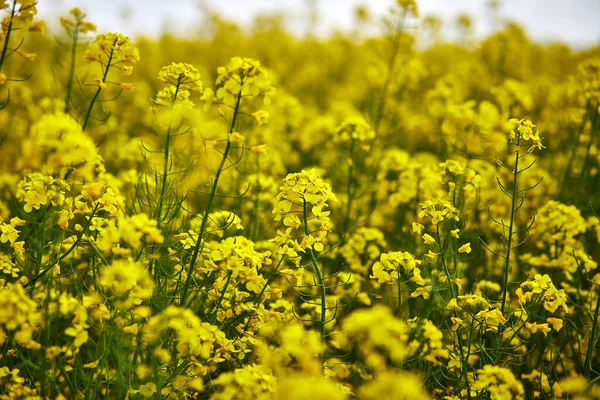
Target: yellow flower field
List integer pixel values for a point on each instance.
(250, 214)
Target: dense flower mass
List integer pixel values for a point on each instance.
(268, 215)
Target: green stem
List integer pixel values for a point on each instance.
(454, 293)
(584, 167)
(218, 305)
(510, 227)
(349, 191)
(591, 342)
(572, 156)
(163, 187)
(399, 294)
(390, 70)
(72, 67)
(65, 254)
(320, 283)
(38, 264)
(442, 256)
(200, 242)
(256, 200)
(104, 76)
(8, 32)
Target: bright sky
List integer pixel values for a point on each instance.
(575, 22)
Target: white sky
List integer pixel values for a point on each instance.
(576, 22)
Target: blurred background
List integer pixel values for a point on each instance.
(573, 22)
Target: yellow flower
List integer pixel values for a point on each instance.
(127, 86)
(465, 248)
(534, 327)
(424, 291)
(353, 128)
(129, 282)
(428, 239)
(406, 385)
(259, 149)
(148, 389)
(499, 382)
(261, 117)
(236, 137)
(18, 248)
(417, 228)
(431, 256)
(556, 323)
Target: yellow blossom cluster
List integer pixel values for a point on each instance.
(301, 203)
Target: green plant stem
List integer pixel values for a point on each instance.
(163, 186)
(510, 226)
(8, 32)
(72, 67)
(256, 201)
(399, 294)
(104, 76)
(320, 283)
(572, 155)
(592, 341)
(446, 270)
(349, 191)
(584, 167)
(390, 70)
(51, 265)
(200, 242)
(464, 361)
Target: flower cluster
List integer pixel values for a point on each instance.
(112, 50)
(194, 337)
(523, 131)
(129, 283)
(541, 289)
(20, 315)
(499, 382)
(393, 265)
(242, 77)
(353, 129)
(56, 142)
(77, 23)
(181, 79)
(438, 211)
(301, 203)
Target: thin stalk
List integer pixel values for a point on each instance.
(38, 264)
(218, 305)
(509, 243)
(72, 67)
(510, 226)
(8, 32)
(390, 70)
(258, 298)
(256, 200)
(321, 283)
(572, 156)
(464, 361)
(594, 120)
(200, 242)
(446, 270)
(399, 294)
(349, 190)
(65, 254)
(104, 76)
(163, 187)
(591, 342)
